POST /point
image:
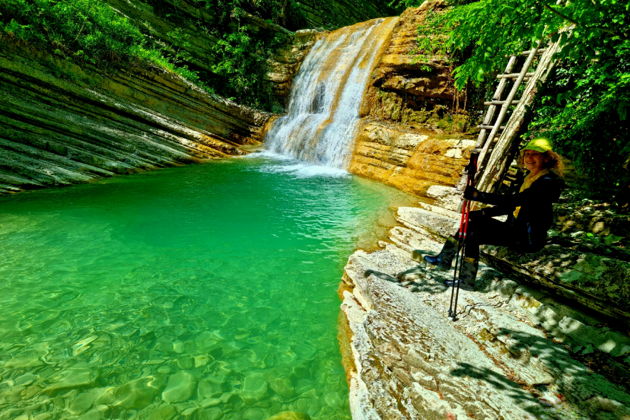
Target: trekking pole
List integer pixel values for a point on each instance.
(462, 234)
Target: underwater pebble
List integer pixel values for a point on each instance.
(82, 345)
(281, 386)
(105, 396)
(96, 413)
(213, 413)
(159, 412)
(137, 394)
(254, 387)
(185, 363)
(333, 399)
(290, 415)
(253, 414)
(26, 379)
(180, 387)
(208, 387)
(25, 360)
(178, 347)
(82, 402)
(164, 369)
(201, 360)
(208, 339)
(72, 378)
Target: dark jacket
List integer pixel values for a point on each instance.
(536, 213)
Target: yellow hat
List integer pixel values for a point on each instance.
(540, 144)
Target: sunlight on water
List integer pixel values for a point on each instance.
(206, 291)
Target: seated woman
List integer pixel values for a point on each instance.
(529, 212)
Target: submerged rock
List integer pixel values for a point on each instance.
(180, 387)
(290, 415)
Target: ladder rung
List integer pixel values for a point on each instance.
(514, 102)
(513, 75)
(538, 51)
(490, 127)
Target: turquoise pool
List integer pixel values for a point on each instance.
(205, 291)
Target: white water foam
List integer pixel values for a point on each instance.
(280, 163)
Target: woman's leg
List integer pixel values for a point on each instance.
(482, 230)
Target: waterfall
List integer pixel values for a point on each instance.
(323, 111)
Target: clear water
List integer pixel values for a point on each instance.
(206, 291)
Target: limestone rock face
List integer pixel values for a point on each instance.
(286, 63)
(513, 352)
(409, 159)
(62, 124)
(405, 90)
(411, 136)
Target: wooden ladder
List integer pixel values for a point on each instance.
(505, 113)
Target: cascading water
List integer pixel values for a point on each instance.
(323, 110)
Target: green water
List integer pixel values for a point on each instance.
(206, 291)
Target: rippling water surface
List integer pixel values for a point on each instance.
(206, 291)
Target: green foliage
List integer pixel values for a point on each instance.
(85, 29)
(403, 4)
(92, 31)
(584, 107)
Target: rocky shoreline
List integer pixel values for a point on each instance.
(514, 352)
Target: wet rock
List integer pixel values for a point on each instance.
(412, 160)
(180, 387)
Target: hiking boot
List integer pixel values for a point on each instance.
(445, 258)
(467, 273)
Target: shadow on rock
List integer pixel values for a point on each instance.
(416, 279)
(575, 380)
(505, 386)
(589, 394)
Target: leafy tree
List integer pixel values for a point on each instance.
(584, 107)
(85, 29)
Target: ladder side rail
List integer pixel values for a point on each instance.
(506, 105)
(492, 109)
(498, 161)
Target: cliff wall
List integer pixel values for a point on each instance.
(412, 135)
(62, 124)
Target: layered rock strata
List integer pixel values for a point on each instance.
(513, 352)
(284, 65)
(62, 124)
(412, 86)
(411, 136)
(409, 159)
